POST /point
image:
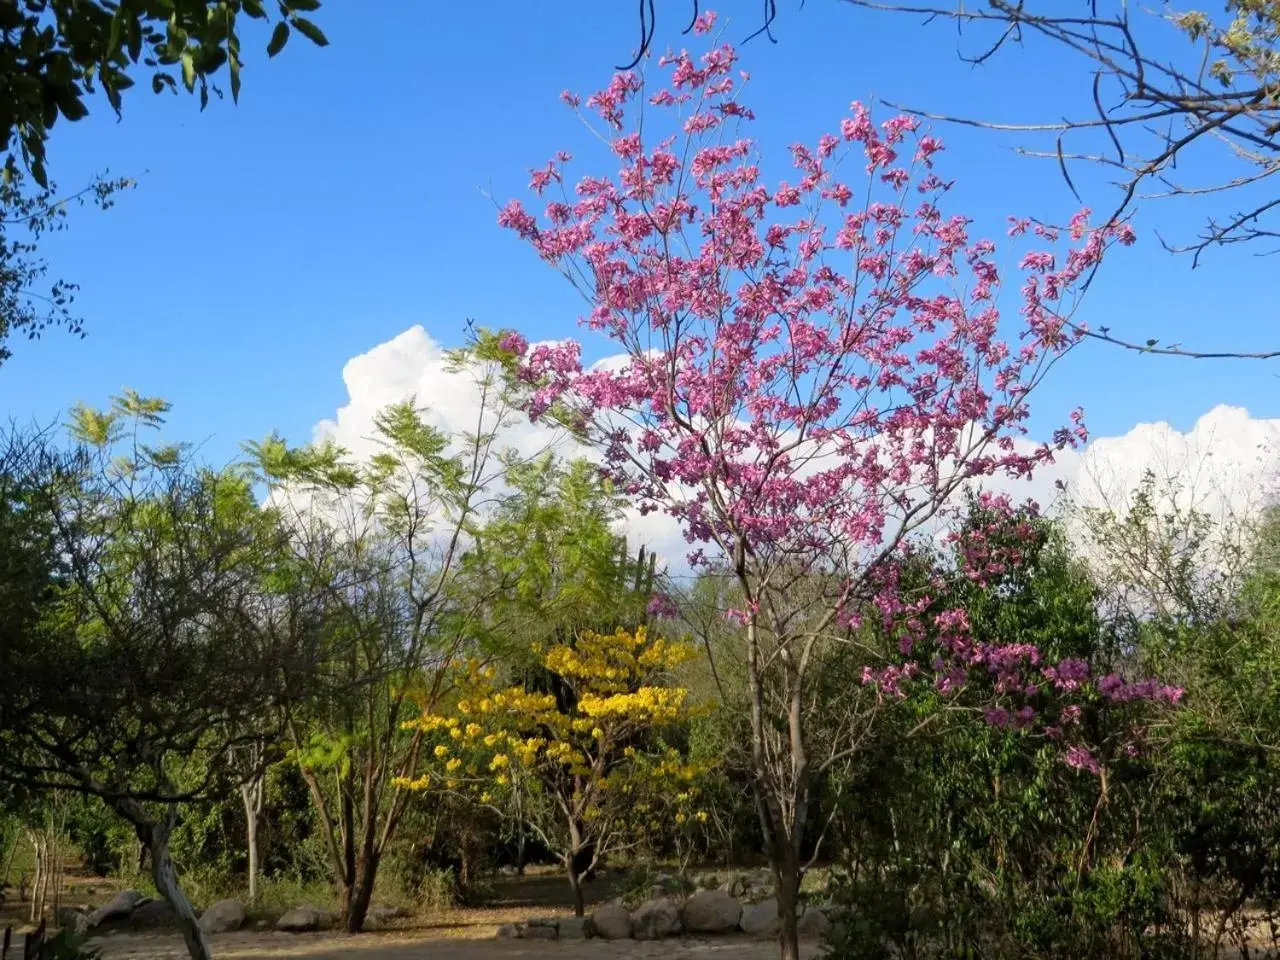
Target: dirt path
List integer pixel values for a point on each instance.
(423, 944)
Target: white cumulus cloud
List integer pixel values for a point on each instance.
(1226, 465)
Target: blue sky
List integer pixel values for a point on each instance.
(343, 201)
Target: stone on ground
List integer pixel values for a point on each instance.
(539, 929)
(381, 915)
(119, 907)
(303, 919)
(611, 922)
(225, 916)
(760, 919)
(655, 920)
(711, 911)
(71, 918)
(813, 924)
(575, 928)
(153, 915)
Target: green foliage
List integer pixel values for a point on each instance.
(56, 53)
(30, 303)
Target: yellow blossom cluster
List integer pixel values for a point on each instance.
(653, 704)
(614, 662)
(490, 739)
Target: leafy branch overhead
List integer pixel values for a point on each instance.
(55, 54)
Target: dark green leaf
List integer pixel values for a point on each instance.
(279, 37)
(310, 31)
(135, 39)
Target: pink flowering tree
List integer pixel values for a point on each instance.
(810, 370)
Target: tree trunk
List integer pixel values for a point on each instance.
(253, 795)
(165, 877)
(37, 905)
(786, 872)
(357, 896)
(575, 884)
(154, 836)
(253, 858)
(55, 867)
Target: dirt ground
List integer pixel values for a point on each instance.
(404, 945)
(459, 934)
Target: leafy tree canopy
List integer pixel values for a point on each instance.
(55, 53)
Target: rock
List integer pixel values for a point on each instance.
(760, 919)
(224, 916)
(813, 924)
(118, 908)
(711, 911)
(508, 931)
(539, 930)
(301, 919)
(381, 915)
(656, 919)
(71, 918)
(611, 922)
(575, 928)
(153, 915)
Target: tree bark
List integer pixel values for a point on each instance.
(253, 795)
(575, 884)
(165, 877)
(786, 874)
(154, 835)
(357, 896)
(37, 884)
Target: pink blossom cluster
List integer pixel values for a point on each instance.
(662, 606)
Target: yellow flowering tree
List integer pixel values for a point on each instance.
(577, 753)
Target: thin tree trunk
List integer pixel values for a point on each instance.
(575, 884)
(55, 867)
(787, 876)
(357, 900)
(165, 877)
(253, 858)
(253, 794)
(37, 907)
(154, 836)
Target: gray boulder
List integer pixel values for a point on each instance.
(656, 919)
(225, 916)
(611, 922)
(711, 911)
(760, 919)
(302, 919)
(575, 928)
(539, 930)
(813, 924)
(382, 915)
(118, 908)
(72, 918)
(153, 915)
